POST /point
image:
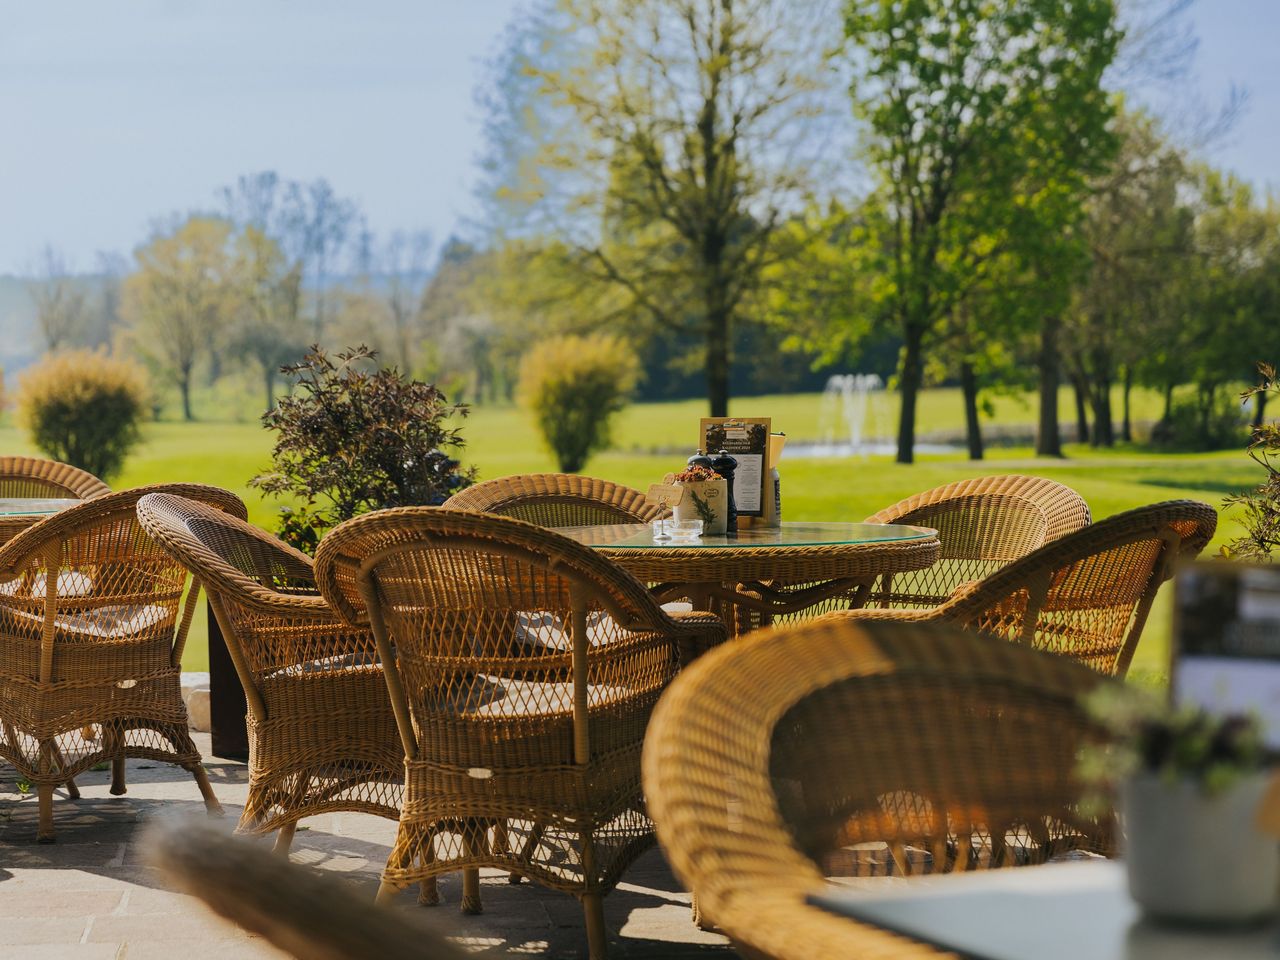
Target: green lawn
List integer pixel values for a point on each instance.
(503, 441)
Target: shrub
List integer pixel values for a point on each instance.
(85, 408)
(1199, 424)
(574, 385)
(352, 438)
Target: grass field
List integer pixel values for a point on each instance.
(503, 441)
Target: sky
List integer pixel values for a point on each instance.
(115, 114)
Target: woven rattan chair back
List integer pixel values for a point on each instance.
(92, 626)
(34, 477)
(982, 524)
(323, 734)
(556, 500)
(526, 670)
(844, 749)
(1088, 594)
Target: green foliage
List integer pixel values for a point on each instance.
(574, 386)
(1146, 734)
(1261, 505)
(353, 438)
(1203, 422)
(84, 408)
(979, 167)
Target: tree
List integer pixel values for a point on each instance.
(309, 221)
(61, 302)
(968, 103)
(269, 329)
(700, 124)
(182, 295)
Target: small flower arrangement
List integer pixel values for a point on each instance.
(1147, 735)
(696, 474)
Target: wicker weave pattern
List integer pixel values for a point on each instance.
(89, 670)
(1086, 595)
(529, 666)
(839, 748)
(33, 477)
(322, 736)
(556, 500)
(983, 524)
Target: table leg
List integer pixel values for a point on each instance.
(227, 706)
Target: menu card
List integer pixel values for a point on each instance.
(1226, 655)
(746, 439)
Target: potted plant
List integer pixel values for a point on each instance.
(706, 498)
(1191, 788)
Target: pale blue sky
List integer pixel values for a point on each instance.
(117, 113)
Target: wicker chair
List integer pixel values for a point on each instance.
(90, 670)
(323, 737)
(1086, 595)
(982, 524)
(845, 749)
(34, 477)
(506, 765)
(556, 500)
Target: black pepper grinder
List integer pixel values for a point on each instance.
(724, 465)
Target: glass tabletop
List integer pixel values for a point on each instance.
(639, 536)
(33, 506)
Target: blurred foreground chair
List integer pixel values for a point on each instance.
(983, 524)
(842, 749)
(556, 500)
(507, 764)
(1085, 595)
(298, 909)
(34, 477)
(90, 670)
(322, 734)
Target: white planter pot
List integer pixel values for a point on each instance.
(1199, 858)
(715, 495)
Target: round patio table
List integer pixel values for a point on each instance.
(18, 513)
(763, 572)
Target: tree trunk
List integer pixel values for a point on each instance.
(1126, 421)
(909, 385)
(1259, 408)
(269, 382)
(1049, 436)
(1168, 403)
(972, 428)
(184, 387)
(1103, 429)
(718, 360)
(1082, 410)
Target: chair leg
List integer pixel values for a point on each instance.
(428, 892)
(471, 891)
(386, 892)
(117, 775)
(284, 839)
(72, 790)
(211, 805)
(597, 935)
(44, 831)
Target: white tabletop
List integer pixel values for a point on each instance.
(1061, 911)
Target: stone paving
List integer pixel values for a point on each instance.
(90, 894)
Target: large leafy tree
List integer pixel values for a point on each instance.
(183, 295)
(697, 127)
(971, 108)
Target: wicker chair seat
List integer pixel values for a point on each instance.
(71, 583)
